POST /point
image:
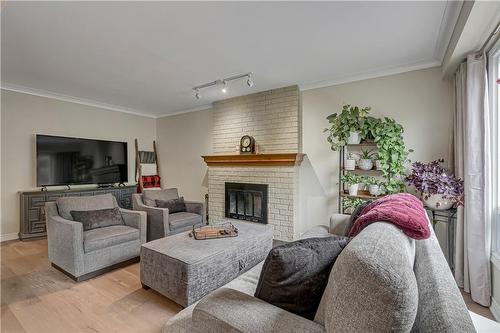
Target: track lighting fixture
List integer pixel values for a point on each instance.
(197, 93)
(249, 80)
(224, 82)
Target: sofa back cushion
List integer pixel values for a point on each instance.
(102, 201)
(441, 307)
(150, 196)
(99, 218)
(372, 286)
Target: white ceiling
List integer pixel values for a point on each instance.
(145, 57)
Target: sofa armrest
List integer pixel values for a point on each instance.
(65, 241)
(229, 310)
(339, 223)
(316, 231)
(136, 219)
(197, 208)
(157, 220)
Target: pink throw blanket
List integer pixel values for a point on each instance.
(403, 210)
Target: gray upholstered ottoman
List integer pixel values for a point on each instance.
(184, 269)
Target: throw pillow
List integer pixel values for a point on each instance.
(174, 205)
(93, 219)
(294, 275)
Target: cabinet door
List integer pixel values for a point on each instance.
(36, 213)
(126, 198)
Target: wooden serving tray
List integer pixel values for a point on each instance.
(213, 232)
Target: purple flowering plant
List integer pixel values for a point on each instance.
(433, 178)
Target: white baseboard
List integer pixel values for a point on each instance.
(495, 309)
(8, 237)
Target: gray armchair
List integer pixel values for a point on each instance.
(161, 223)
(85, 254)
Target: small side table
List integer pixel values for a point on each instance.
(448, 216)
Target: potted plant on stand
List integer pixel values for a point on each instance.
(365, 161)
(346, 126)
(350, 162)
(352, 180)
(440, 190)
(374, 186)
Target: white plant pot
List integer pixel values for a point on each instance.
(374, 189)
(350, 164)
(378, 164)
(353, 189)
(365, 164)
(354, 138)
(437, 202)
(361, 186)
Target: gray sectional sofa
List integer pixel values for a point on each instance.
(85, 254)
(383, 281)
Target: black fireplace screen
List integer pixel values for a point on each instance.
(246, 201)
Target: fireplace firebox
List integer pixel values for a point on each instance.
(247, 202)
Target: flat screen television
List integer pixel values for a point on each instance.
(74, 161)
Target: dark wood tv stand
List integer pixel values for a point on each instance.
(32, 221)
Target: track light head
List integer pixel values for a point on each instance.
(249, 80)
(224, 87)
(197, 93)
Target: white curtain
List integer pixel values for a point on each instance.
(472, 144)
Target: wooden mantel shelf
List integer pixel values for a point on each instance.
(283, 159)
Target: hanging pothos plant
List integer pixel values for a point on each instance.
(387, 134)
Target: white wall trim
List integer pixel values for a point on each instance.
(495, 309)
(71, 99)
(8, 237)
(371, 75)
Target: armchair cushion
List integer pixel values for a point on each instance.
(66, 205)
(93, 219)
(101, 238)
(184, 219)
(174, 205)
(150, 196)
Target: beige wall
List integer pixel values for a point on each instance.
(25, 115)
(182, 140)
(420, 100)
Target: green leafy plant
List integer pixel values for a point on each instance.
(351, 178)
(350, 204)
(350, 119)
(368, 129)
(374, 181)
(393, 185)
(391, 147)
(350, 156)
(367, 154)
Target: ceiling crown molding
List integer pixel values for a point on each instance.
(371, 75)
(72, 99)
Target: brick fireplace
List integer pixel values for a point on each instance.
(272, 118)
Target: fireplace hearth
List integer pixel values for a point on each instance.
(247, 202)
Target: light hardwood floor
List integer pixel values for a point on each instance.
(37, 298)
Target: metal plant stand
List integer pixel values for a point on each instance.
(448, 216)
